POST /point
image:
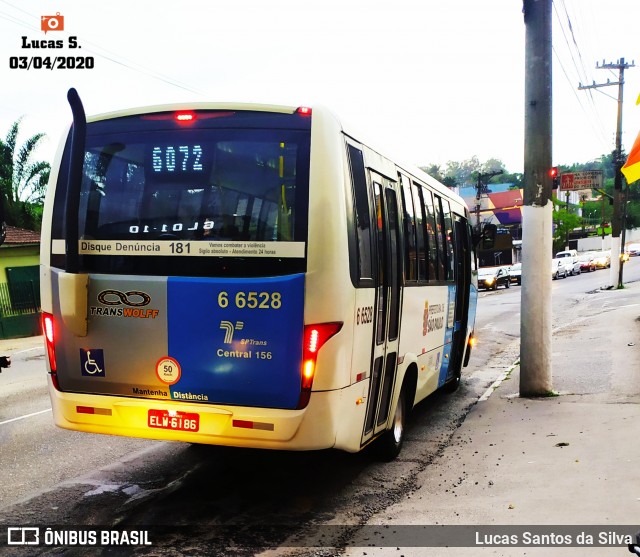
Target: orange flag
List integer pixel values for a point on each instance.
(631, 168)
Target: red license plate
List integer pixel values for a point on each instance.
(174, 420)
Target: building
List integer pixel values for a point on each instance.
(19, 283)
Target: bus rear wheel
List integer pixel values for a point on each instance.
(390, 443)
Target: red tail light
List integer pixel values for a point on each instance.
(314, 338)
(304, 111)
(49, 332)
(185, 117)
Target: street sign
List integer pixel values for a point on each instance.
(585, 180)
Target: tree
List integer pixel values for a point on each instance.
(23, 180)
(564, 222)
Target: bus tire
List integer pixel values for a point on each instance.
(390, 442)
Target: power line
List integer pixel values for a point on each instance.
(590, 111)
(573, 37)
(104, 53)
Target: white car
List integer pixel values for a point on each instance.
(633, 249)
(515, 273)
(573, 266)
(558, 268)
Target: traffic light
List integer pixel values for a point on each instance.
(555, 177)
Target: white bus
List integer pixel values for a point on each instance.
(248, 275)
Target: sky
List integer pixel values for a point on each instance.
(423, 80)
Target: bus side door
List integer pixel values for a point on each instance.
(388, 264)
(462, 251)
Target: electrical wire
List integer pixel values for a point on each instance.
(102, 52)
(577, 62)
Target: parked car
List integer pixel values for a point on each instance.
(515, 273)
(492, 277)
(567, 253)
(558, 268)
(602, 259)
(587, 262)
(633, 249)
(572, 265)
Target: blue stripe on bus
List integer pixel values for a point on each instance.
(448, 336)
(238, 341)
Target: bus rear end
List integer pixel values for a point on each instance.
(182, 314)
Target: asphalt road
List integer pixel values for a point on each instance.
(217, 501)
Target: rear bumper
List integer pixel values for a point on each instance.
(218, 425)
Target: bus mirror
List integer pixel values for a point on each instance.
(487, 236)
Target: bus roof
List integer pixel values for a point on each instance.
(284, 109)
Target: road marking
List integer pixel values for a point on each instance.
(29, 350)
(25, 416)
(499, 380)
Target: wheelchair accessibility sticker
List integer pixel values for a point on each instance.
(92, 362)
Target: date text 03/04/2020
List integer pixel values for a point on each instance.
(51, 62)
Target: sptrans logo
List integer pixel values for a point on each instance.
(52, 22)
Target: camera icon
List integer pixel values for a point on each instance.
(52, 22)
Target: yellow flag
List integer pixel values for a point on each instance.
(631, 168)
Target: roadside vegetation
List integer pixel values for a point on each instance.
(23, 179)
(593, 214)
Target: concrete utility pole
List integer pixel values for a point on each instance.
(615, 273)
(535, 321)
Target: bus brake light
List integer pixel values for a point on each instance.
(303, 111)
(185, 117)
(314, 338)
(49, 332)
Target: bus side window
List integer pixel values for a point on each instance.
(431, 235)
(440, 230)
(410, 252)
(472, 247)
(448, 240)
(420, 237)
(363, 213)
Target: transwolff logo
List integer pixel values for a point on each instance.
(134, 300)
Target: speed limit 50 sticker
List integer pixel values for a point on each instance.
(168, 370)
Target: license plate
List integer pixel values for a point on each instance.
(174, 420)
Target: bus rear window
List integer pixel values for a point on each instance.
(237, 196)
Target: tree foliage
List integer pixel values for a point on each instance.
(23, 179)
(465, 174)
